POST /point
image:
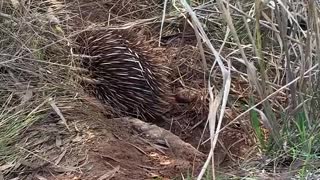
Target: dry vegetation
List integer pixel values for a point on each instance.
(243, 75)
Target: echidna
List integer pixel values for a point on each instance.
(119, 75)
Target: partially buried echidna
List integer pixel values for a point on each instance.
(121, 77)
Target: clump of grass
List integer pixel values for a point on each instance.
(296, 133)
(34, 68)
(280, 65)
(12, 124)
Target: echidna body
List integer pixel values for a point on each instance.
(120, 76)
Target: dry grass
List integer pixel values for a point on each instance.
(35, 72)
(234, 56)
(274, 61)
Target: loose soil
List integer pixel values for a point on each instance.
(98, 147)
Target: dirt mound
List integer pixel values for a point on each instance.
(97, 147)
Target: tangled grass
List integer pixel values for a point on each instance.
(34, 74)
(274, 69)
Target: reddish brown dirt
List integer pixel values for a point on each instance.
(97, 147)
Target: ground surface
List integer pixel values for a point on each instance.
(98, 147)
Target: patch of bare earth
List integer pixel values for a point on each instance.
(98, 147)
